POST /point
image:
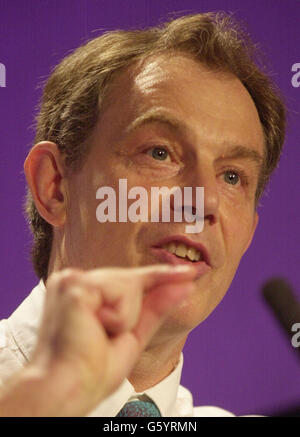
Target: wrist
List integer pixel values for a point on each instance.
(39, 392)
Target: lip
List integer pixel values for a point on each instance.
(201, 266)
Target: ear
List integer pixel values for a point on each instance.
(254, 226)
(44, 171)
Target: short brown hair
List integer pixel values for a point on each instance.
(73, 95)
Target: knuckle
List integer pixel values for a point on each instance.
(132, 283)
(68, 278)
(128, 316)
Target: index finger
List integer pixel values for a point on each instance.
(152, 276)
(115, 281)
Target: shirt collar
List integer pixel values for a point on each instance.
(163, 394)
(23, 324)
(24, 321)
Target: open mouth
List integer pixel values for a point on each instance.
(181, 249)
(178, 249)
(184, 251)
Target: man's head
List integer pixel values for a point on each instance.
(180, 105)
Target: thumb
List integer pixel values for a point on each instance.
(158, 303)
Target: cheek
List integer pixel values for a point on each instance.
(237, 230)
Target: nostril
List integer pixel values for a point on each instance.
(189, 210)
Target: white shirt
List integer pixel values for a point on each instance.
(18, 336)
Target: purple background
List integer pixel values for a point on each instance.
(238, 358)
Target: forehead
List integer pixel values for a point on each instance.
(214, 104)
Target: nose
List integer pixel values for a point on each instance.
(203, 175)
(207, 179)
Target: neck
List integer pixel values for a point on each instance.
(155, 363)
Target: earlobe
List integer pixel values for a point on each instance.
(255, 223)
(44, 170)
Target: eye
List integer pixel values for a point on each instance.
(159, 153)
(231, 177)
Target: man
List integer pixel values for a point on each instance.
(182, 105)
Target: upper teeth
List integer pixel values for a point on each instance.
(183, 251)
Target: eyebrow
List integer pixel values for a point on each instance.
(177, 126)
(243, 152)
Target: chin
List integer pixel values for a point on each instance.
(187, 316)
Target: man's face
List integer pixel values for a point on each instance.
(203, 130)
